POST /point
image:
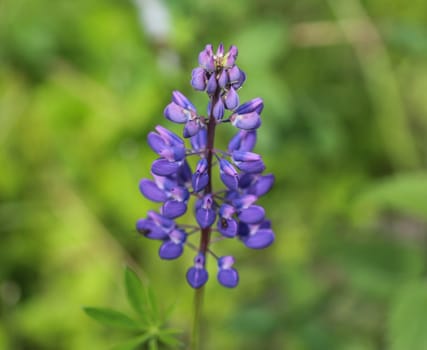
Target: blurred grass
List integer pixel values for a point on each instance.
(344, 131)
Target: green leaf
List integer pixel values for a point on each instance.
(169, 340)
(407, 326)
(133, 343)
(152, 300)
(111, 318)
(136, 293)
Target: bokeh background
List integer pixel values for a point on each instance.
(344, 130)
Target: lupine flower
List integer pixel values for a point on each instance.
(229, 212)
(197, 275)
(227, 275)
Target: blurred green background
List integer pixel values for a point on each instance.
(344, 130)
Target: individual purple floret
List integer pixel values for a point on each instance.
(187, 169)
(227, 275)
(197, 275)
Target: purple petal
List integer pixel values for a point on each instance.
(247, 121)
(198, 79)
(220, 50)
(237, 77)
(241, 80)
(179, 193)
(205, 217)
(206, 59)
(265, 224)
(254, 167)
(252, 214)
(228, 278)
(254, 105)
(262, 185)
(227, 227)
(191, 128)
(169, 250)
(163, 167)
(173, 153)
(218, 110)
(199, 141)
(245, 156)
(243, 230)
(173, 209)
(182, 101)
(223, 79)
(177, 236)
(184, 174)
(156, 142)
(246, 180)
(226, 167)
(178, 153)
(231, 56)
(261, 239)
(200, 181)
(212, 85)
(232, 182)
(150, 191)
(165, 223)
(150, 230)
(175, 113)
(202, 165)
(196, 277)
(243, 141)
(225, 262)
(200, 178)
(231, 99)
(235, 142)
(234, 74)
(245, 201)
(226, 211)
(169, 137)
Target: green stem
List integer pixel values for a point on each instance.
(198, 304)
(152, 344)
(205, 232)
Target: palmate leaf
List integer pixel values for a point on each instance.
(112, 318)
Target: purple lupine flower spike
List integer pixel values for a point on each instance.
(230, 211)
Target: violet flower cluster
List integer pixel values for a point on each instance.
(227, 213)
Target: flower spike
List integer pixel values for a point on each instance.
(229, 212)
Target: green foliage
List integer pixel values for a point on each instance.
(111, 318)
(407, 324)
(151, 326)
(405, 193)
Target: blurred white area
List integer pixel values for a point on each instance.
(155, 20)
